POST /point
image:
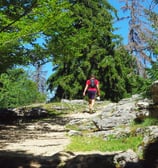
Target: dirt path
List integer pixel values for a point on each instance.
(42, 138)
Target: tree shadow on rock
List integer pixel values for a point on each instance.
(90, 161)
(151, 155)
(60, 160)
(23, 160)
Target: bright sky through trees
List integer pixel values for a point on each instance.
(123, 24)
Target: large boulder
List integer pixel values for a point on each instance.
(151, 155)
(7, 114)
(13, 115)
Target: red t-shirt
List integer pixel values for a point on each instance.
(88, 83)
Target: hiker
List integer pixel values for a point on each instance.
(92, 87)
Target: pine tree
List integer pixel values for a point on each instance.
(88, 46)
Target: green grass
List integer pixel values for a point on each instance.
(62, 108)
(150, 121)
(146, 122)
(83, 143)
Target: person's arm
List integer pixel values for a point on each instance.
(98, 89)
(85, 89)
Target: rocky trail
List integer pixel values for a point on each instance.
(42, 143)
(39, 144)
(41, 138)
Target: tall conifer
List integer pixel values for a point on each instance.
(88, 46)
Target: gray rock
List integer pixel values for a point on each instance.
(154, 92)
(127, 159)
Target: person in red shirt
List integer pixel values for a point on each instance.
(92, 91)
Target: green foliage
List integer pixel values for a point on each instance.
(147, 122)
(11, 50)
(89, 46)
(22, 23)
(152, 75)
(17, 89)
(153, 72)
(120, 78)
(78, 42)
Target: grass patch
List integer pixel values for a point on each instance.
(83, 143)
(62, 108)
(146, 122)
(149, 122)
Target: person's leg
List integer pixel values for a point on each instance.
(91, 96)
(90, 105)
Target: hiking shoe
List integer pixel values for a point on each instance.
(92, 111)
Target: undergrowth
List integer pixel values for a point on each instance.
(83, 143)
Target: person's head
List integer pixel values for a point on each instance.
(92, 76)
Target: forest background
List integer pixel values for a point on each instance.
(79, 37)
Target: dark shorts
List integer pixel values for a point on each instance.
(91, 94)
